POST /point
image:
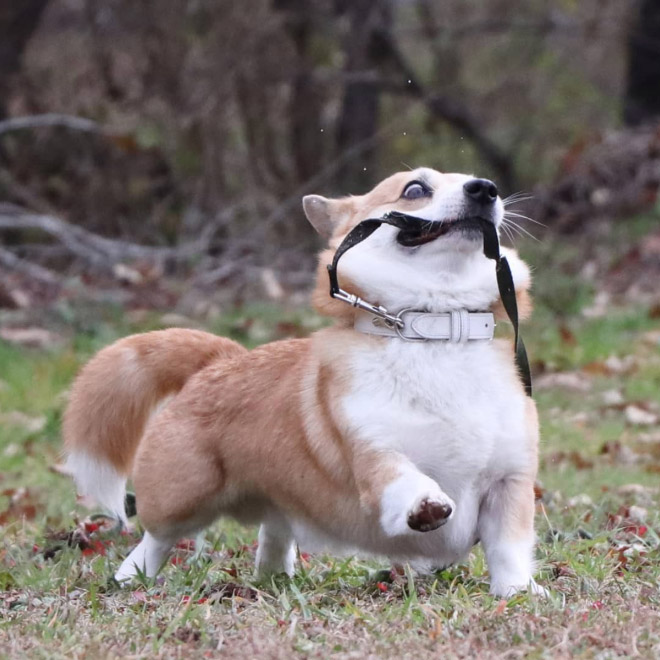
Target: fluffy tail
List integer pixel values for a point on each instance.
(113, 396)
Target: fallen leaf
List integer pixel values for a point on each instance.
(31, 337)
(636, 490)
(582, 500)
(21, 420)
(500, 608)
(127, 275)
(612, 397)
(573, 457)
(620, 366)
(21, 505)
(574, 381)
(640, 417)
(617, 452)
(223, 590)
(567, 336)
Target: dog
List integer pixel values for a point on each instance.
(356, 439)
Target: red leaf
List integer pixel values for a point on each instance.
(186, 544)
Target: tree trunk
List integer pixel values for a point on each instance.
(642, 98)
(358, 119)
(18, 21)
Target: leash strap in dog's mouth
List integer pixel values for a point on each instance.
(491, 250)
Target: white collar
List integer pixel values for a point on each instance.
(458, 326)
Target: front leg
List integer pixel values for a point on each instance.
(405, 498)
(506, 530)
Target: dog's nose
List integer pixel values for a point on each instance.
(481, 190)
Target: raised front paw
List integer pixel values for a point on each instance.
(414, 501)
(430, 513)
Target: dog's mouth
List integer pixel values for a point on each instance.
(470, 227)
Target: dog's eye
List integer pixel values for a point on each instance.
(415, 190)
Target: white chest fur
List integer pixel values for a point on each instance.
(456, 412)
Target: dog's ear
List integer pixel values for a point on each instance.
(319, 212)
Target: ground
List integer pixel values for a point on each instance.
(598, 391)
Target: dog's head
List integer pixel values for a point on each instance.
(437, 269)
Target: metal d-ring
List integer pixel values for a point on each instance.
(400, 325)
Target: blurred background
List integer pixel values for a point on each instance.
(156, 152)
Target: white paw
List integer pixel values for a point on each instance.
(504, 590)
(414, 503)
(127, 571)
(276, 552)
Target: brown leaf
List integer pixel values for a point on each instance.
(566, 335)
(539, 491)
(223, 590)
(21, 505)
(573, 457)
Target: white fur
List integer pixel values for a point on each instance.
(97, 479)
(276, 552)
(147, 557)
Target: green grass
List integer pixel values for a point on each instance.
(601, 565)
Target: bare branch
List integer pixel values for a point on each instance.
(94, 249)
(9, 260)
(51, 119)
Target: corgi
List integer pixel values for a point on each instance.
(357, 439)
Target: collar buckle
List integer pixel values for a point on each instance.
(390, 320)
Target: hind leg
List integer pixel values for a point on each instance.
(146, 558)
(178, 490)
(277, 551)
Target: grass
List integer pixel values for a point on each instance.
(599, 551)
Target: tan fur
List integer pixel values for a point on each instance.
(240, 449)
(114, 394)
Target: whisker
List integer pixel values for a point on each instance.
(515, 201)
(516, 197)
(523, 217)
(514, 225)
(512, 229)
(508, 233)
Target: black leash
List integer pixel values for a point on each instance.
(491, 250)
